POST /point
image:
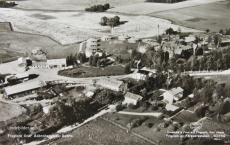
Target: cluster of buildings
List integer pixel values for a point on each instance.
(49, 63)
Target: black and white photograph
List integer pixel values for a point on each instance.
(114, 72)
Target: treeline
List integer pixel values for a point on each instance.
(75, 59)
(165, 1)
(4, 4)
(226, 32)
(98, 8)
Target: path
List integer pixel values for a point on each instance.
(226, 72)
(141, 114)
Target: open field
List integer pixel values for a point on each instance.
(19, 44)
(213, 16)
(70, 5)
(100, 132)
(57, 26)
(9, 111)
(147, 8)
(5, 26)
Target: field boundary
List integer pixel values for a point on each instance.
(12, 29)
(133, 133)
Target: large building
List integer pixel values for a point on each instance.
(173, 95)
(50, 63)
(131, 98)
(111, 84)
(23, 89)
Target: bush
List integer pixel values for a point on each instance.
(120, 107)
(132, 106)
(172, 128)
(155, 130)
(160, 117)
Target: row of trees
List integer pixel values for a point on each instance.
(112, 22)
(73, 59)
(98, 8)
(165, 1)
(226, 32)
(5, 4)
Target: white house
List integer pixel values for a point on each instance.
(123, 37)
(131, 98)
(106, 38)
(22, 62)
(143, 48)
(111, 84)
(173, 95)
(56, 62)
(143, 73)
(92, 40)
(132, 40)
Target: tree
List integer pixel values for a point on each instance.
(169, 31)
(117, 20)
(159, 39)
(179, 30)
(217, 40)
(90, 60)
(209, 39)
(104, 21)
(207, 30)
(98, 63)
(221, 31)
(112, 22)
(107, 6)
(127, 69)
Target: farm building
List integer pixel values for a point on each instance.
(190, 38)
(143, 48)
(132, 40)
(37, 65)
(22, 62)
(23, 89)
(17, 78)
(123, 37)
(106, 38)
(112, 84)
(56, 62)
(131, 98)
(173, 95)
(92, 40)
(170, 107)
(142, 73)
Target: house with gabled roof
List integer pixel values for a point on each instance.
(173, 95)
(106, 38)
(111, 84)
(23, 89)
(131, 98)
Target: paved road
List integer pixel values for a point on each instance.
(141, 114)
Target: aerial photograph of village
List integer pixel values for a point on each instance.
(115, 72)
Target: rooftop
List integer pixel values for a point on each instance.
(22, 75)
(110, 82)
(132, 96)
(23, 87)
(56, 61)
(175, 91)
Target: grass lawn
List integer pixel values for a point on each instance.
(9, 111)
(94, 71)
(186, 117)
(19, 43)
(100, 132)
